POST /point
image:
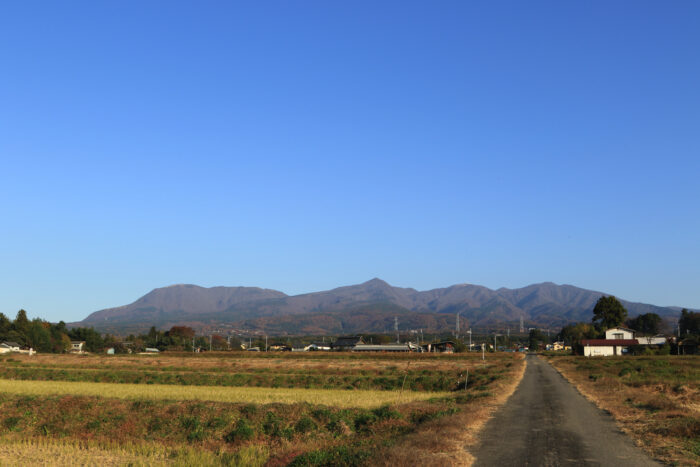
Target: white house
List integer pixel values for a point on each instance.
(615, 343)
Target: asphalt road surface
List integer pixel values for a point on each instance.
(546, 422)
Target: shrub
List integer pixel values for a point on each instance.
(242, 432)
(363, 420)
(271, 424)
(386, 412)
(11, 422)
(304, 425)
(344, 456)
(249, 409)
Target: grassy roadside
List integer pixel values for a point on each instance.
(656, 399)
(448, 441)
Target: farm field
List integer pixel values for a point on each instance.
(242, 409)
(655, 399)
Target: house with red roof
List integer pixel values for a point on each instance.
(616, 342)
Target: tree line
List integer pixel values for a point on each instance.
(43, 336)
(46, 337)
(609, 313)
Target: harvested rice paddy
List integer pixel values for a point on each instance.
(249, 395)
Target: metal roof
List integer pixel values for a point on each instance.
(607, 342)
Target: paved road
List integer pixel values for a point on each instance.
(546, 422)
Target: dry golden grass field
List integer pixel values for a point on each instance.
(655, 399)
(243, 409)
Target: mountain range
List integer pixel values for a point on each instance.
(368, 307)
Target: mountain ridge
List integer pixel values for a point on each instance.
(544, 304)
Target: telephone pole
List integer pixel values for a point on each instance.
(396, 328)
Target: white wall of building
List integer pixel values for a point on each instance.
(618, 333)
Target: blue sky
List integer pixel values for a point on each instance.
(302, 146)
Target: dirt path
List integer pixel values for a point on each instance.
(548, 423)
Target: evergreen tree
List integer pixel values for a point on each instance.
(647, 324)
(689, 322)
(21, 324)
(608, 313)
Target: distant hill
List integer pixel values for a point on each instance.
(366, 307)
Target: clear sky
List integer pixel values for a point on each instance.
(304, 145)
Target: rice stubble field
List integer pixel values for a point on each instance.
(242, 409)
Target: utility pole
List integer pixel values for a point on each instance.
(396, 328)
(265, 343)
(483, 351)
(457, 327)
(522, 326)
(470, 339)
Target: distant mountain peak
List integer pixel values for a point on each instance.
(543, 304)
(375, 281)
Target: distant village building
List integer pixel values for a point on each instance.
(440, 347)
(9, 346)
(346, 343)
(556, 346)
(409, 347)
(77, 346)
(652, 340)
(318, 346)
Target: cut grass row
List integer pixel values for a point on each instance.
(253, 395)
(409, 380)
(47, 451)
(296, 363)
(420, 375)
